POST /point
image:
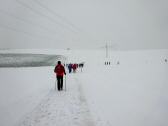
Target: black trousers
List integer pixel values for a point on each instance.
(60, 82)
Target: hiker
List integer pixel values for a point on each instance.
(81, 66)
(60, 71)
(70, 68)
(74, 67)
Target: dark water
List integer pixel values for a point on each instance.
(29, 60)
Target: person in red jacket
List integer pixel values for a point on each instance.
(60, 71)
(74, 67)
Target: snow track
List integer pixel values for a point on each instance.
(61, 108)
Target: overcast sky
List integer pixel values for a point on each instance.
(84, 24)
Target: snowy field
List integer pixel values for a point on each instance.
(131, 93)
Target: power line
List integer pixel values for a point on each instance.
(56, 14)
(25, 32)
(43, 15)
(53, 19)
(27, 21)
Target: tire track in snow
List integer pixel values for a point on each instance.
(61, 108)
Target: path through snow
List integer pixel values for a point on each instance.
(61, 108)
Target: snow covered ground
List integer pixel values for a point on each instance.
(22, 89)
(133, 92)
(66, 108)
(128, 95)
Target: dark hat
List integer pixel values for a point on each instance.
(59, 62)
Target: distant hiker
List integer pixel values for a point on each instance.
(74, 67)
(60, 71)
(70, 68)
(81, 66)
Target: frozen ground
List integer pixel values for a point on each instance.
(133, 93)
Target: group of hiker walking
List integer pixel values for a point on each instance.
(72, 67)
(60, 72)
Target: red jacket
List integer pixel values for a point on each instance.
(74, 66)
(59, 70)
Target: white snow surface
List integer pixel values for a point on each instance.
(132, 93)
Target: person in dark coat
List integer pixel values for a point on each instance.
(60, 71)
(70, 68)
(81, 66)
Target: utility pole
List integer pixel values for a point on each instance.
(106, 50)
